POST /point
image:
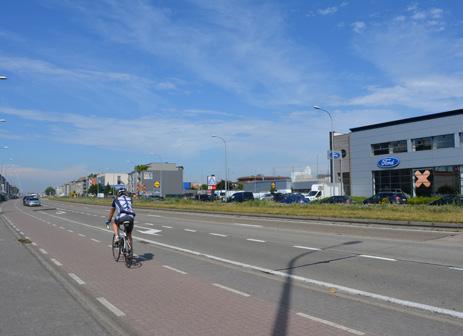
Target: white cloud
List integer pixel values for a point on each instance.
(359, 26)
(328, 10)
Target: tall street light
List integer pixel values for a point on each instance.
(331, 146)
(226, 165)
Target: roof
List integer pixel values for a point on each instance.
(409, 120)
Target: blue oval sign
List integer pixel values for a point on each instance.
(389, 162)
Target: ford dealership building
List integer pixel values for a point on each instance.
(421, 156)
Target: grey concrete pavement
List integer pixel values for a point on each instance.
(33, 301)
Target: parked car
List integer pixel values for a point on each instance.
(448, 199)
(336, 200)
(241, 196)
(33, 201)
(205, 197)
(294, 198)
(393, 197)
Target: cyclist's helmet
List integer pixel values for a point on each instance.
(121, 191)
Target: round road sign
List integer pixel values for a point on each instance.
(157, 184)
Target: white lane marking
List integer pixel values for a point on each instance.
(149, 224)
(189, 230)
(339, 288)
(231, 290)
(331, 324)
(153, 232)
(22, 233)
(60, 212)
(96, 240)
(307, 248)
(218, 234)
(256, 240)
(456, 268)
(76, 279)
(56, 262)
(110, 246)
(116, 311)
(34, 243)
(61, 227)
(54, 225)
(154, 216)
(43, 251)
(247, 225)
(81, 235)
(167, 227)
(174, 269)
(70, 231)
(376, 257)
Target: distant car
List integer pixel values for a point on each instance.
(241, 196)
(393, 197)
(294, 198)
(336, 200)
(33, 201)
(448, 199)
(25, 198)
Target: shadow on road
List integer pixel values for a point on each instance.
(281, 324)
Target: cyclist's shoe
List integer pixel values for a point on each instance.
(116, 241)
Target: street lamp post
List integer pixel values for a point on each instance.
(226, 165)
(331, 146)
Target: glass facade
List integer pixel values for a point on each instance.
(435, 142)
(444, 141)
(420, 181)
(422, 144)
(389, 147)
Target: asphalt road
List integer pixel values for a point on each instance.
(200, 274)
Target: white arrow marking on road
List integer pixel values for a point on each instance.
(150, 231)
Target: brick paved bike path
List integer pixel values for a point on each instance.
(156, 300)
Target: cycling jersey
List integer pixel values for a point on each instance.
(123, 205)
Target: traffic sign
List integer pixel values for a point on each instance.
(211, 180)
(335, 155)
(157, 184)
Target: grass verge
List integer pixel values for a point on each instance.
(388, 212)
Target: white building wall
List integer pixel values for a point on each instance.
(363, 162)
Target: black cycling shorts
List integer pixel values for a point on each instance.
(126, 218)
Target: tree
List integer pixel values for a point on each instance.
(108, 190)
(50, 191)
(94, 189)
(139, 169)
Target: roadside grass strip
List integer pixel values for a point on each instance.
(116, 311)
(331, 324)
(231, 290)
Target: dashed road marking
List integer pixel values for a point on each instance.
(167, 227)
(189, 230)
(76, 279)
(43, 251)
(218, 234)
(82, 235)
(34, 243)
(116, 311)
(376, 257)
(307, 248)
(70, 231)
(61, 227)
(231, 290)
(456, 268)
(56, 262)
(247, 225)
(96, 240)
(331, 324)
(174, 269)
(256, 240)
(154, 216)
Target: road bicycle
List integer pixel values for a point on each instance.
(123, 245)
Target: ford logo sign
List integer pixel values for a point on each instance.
(389, 162)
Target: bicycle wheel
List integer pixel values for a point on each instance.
(116, 250)
(127, 254)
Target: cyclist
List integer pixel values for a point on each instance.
(122, 206)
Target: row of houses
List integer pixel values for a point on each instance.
(152, 179)
(7, 190)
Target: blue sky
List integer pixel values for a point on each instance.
(97, 86)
